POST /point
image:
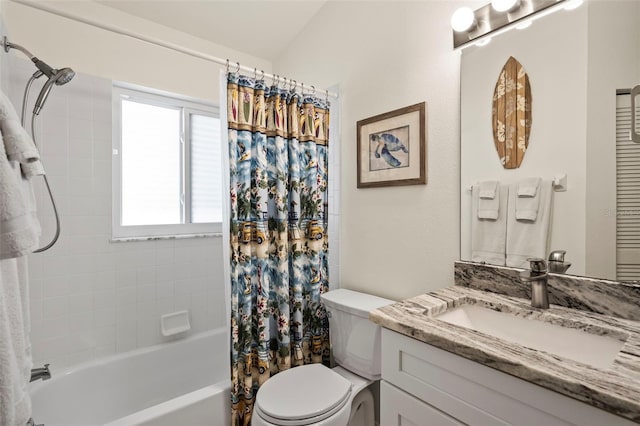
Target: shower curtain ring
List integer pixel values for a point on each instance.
(238, 68)
(255, 73)
(262, 76)
(302, 88)
(326, 98)
(294, 85)
(314, 90)
(227, 66)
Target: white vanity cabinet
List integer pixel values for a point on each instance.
(426, 386)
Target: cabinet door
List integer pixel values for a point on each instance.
(398, 408)
(476, 394)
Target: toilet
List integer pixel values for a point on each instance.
(317, 395)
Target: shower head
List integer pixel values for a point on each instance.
(59, 77)
(65, 74)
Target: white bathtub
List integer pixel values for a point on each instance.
(174, 384)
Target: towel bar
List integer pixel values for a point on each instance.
(559, 183)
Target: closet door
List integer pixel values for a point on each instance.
(627, 194)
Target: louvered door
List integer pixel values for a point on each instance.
(627, 194)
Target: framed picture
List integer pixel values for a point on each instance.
(392, 148)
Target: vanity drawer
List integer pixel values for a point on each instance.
(402, 409)
(476, 394)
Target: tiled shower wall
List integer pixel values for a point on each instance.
(91, 297)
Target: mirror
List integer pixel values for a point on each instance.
(576, 61)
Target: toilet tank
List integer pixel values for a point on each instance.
(355, 340)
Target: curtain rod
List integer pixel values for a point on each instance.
(43, 6)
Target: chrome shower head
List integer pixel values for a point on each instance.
(59, 77)
(65, 76)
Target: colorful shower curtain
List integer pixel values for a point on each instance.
(278, 157)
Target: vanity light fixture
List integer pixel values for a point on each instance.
(505, 5)
(463, 19)
(469, 27)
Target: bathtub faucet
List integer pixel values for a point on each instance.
(40, 373)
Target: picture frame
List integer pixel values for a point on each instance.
(392, 148)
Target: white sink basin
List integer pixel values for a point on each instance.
(597, 351)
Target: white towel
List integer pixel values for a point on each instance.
(527, 239)
(18, 233)
(15, 350)
(528, 199)
(488, 200)
(18, 144)
(528, 187)
(488, 237)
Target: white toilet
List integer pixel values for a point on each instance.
(316, 395)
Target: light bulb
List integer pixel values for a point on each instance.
(462, 19)
(573, 4)
(524, 24)
(504, 5)
(483, 42)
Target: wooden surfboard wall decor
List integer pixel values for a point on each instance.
(512, 114)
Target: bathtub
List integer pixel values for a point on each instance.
(181, 383)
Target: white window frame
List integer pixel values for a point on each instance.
(187, 106)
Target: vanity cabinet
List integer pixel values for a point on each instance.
(426, 386)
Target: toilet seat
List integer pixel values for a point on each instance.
(302, 395)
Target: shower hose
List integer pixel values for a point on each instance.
(46, 180)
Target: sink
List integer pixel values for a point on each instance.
(592, 349)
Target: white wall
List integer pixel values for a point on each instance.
(401, 241)
(553, 51)
(90, 297)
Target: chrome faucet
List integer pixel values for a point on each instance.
(537, 276)
(40, 373)
(557, 265)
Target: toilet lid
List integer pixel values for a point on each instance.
(301, 393)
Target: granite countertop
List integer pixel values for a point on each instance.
(616, 389)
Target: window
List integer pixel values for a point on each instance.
(166, 165)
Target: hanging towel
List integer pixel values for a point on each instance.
(15, 350)
(528, 199)
(488, 236)
(18, 144)
(18, 233)
(526, 238)
(488, 200)
(528, 187)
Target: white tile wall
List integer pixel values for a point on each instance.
(90, 297)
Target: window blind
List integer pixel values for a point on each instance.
(627, 194)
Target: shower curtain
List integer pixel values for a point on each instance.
(278, 161)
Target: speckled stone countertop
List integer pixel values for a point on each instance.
(616, 390)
